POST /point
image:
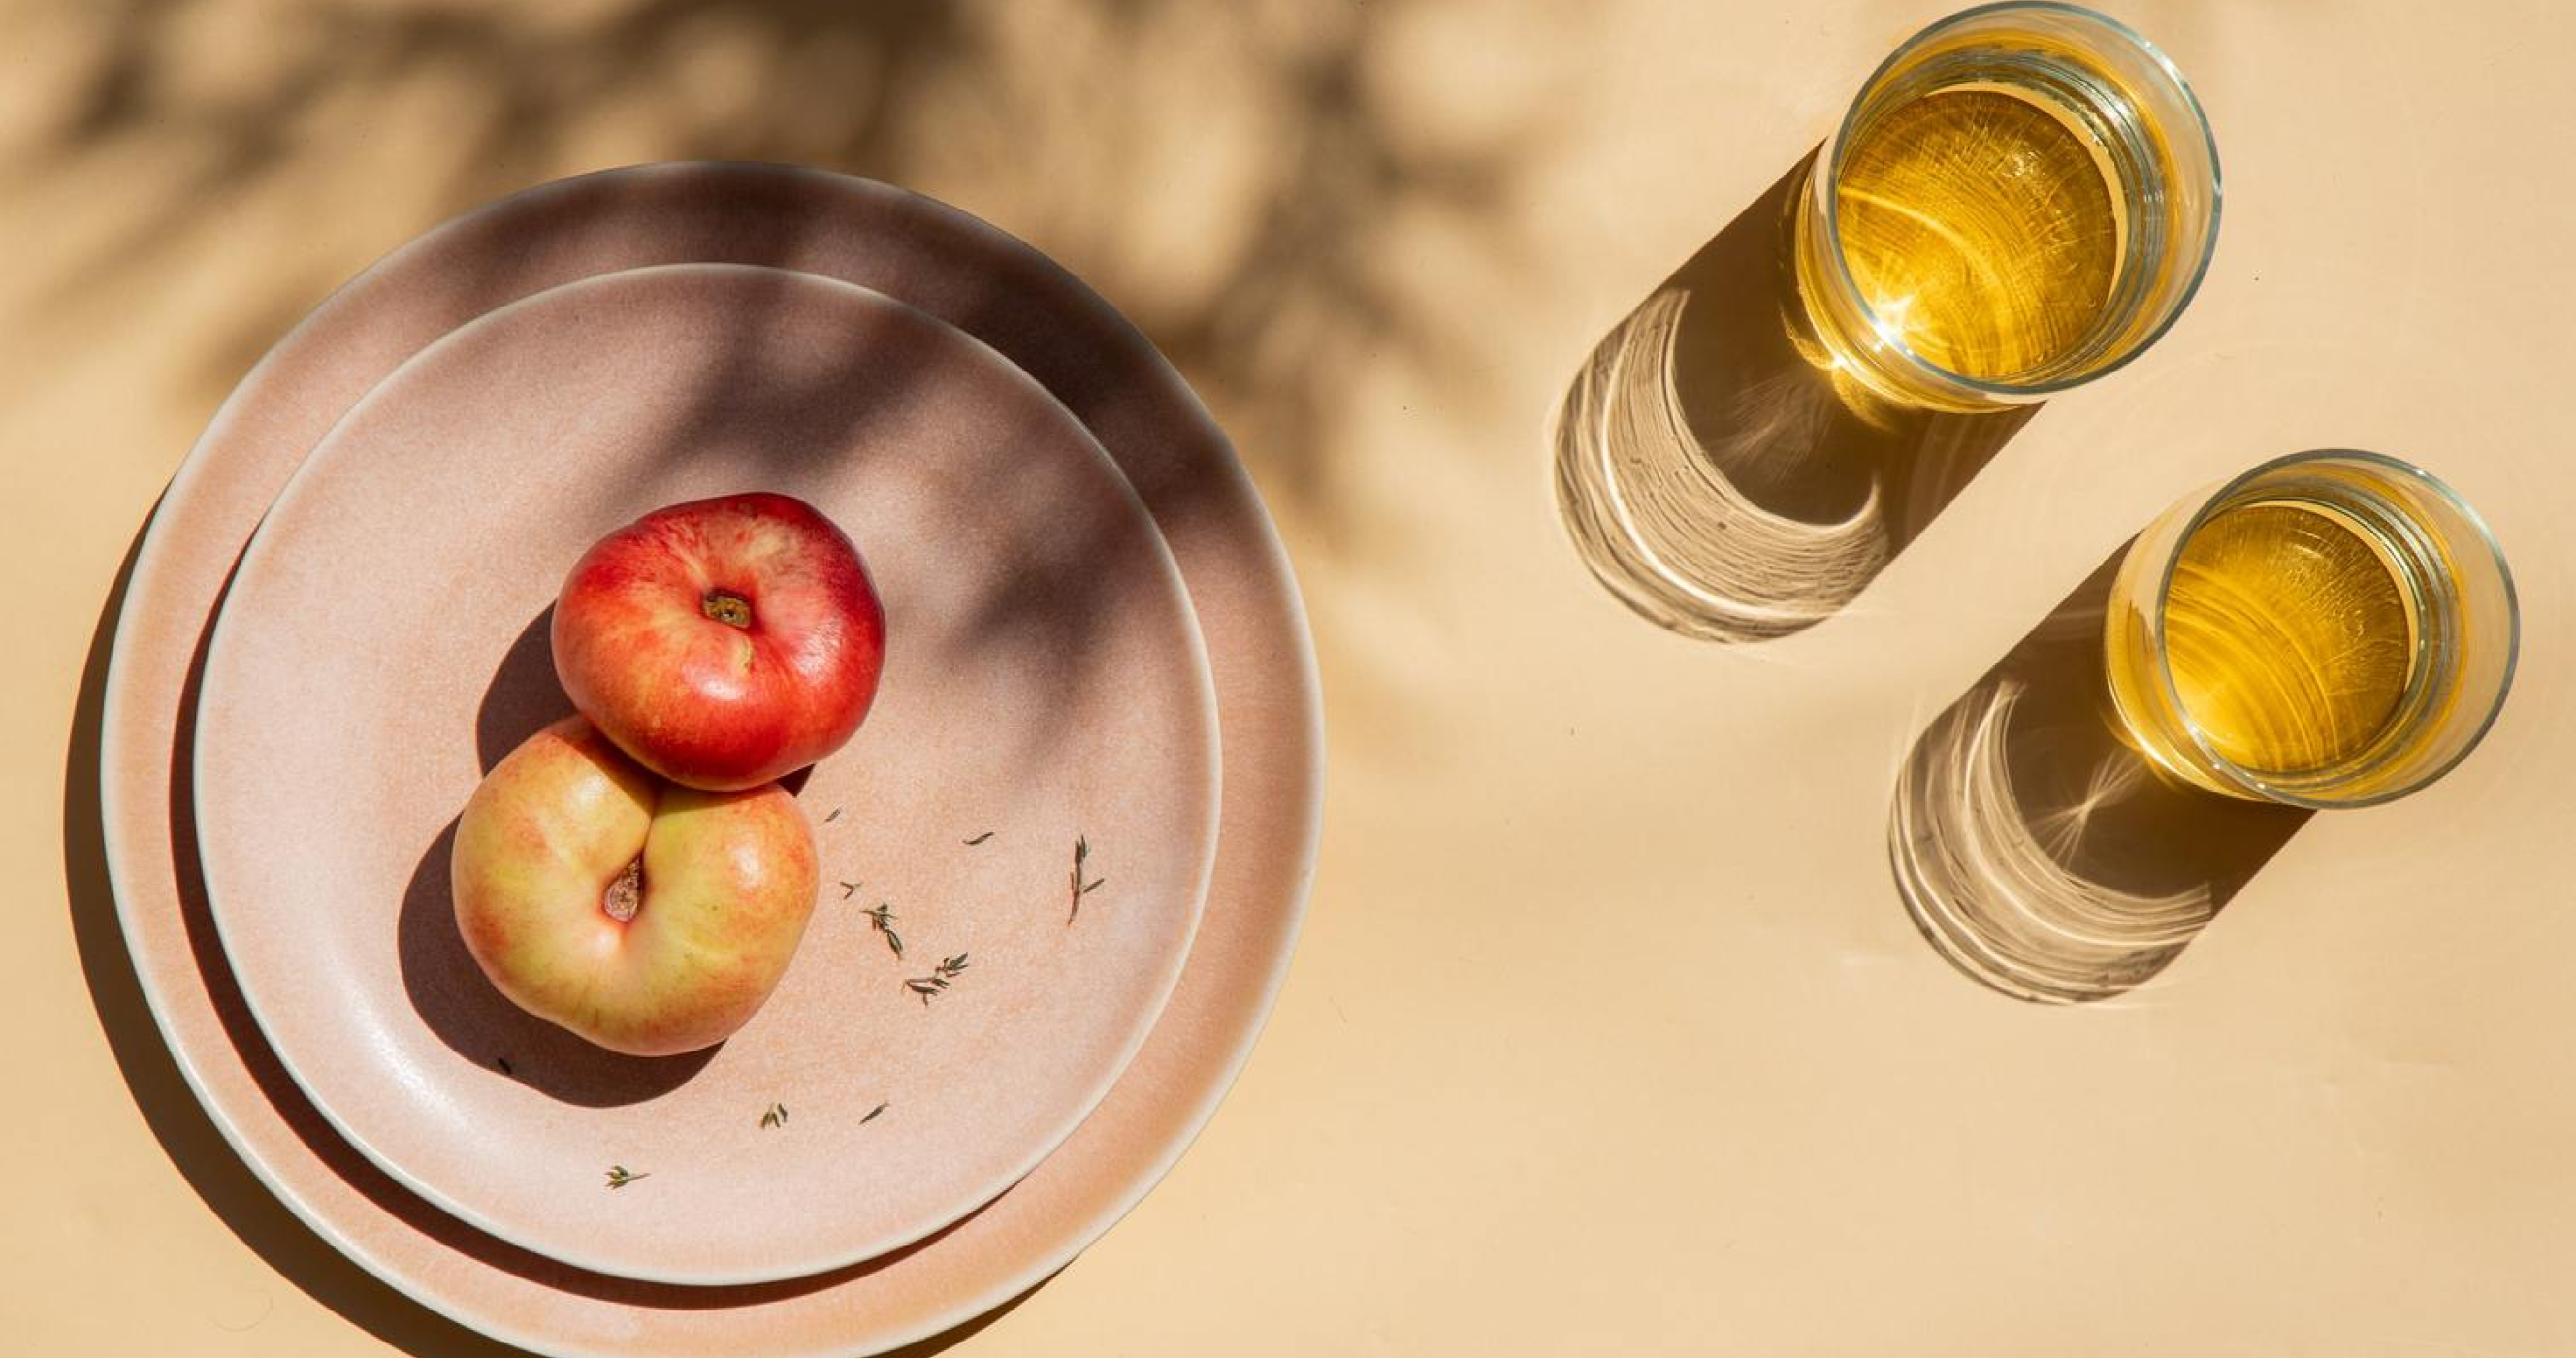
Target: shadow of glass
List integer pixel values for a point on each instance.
(206, 1160)
(1723, 484)
(2042, 855)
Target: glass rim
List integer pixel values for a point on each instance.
(1832, 161)
(2244, 778)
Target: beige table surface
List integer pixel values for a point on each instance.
(1608, 1032)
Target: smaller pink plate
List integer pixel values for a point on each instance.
(384, 644)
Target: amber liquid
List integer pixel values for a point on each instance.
(2290, 635)
(1982, 228)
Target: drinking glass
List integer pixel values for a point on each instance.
(2021, 199)
(2331, 628)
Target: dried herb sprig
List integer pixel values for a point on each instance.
(775, 1117)
(979, 839)
(835, 815)
(620, 1176)
(1079, 887)
(937, 981)
(883, 917)
(872, 1113)
(849, 889)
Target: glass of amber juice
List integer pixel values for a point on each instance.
(2021, 199)
(2332, 628)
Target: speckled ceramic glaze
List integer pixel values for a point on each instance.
(953, 267)
(380, 650)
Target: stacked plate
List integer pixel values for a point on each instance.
(336, 624)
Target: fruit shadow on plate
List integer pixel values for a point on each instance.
(480, 1024)
(447, 988)
(208, 1161)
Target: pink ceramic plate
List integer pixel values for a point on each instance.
(381, 648)
(956, 268)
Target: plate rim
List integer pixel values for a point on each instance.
(1260, 540)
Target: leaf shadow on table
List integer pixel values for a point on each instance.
(198, 1148)
(1723, 481)
(1308, 166)
(2042, 855)
(1300, 189)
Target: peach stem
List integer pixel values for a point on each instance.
(726, 607)
(625, 894)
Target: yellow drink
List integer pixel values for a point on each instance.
(1982, 229)
(2022, 198)
(2289, 635)
(2332, 628)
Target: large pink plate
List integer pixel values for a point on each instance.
(953, 267)
(1044, 683)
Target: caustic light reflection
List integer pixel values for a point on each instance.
(1657, 516)
(1996, 882)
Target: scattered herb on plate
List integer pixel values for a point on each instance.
(620, 1176)
(775, 1117)
(938, 979)
(1080, 888)
(883, 917)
